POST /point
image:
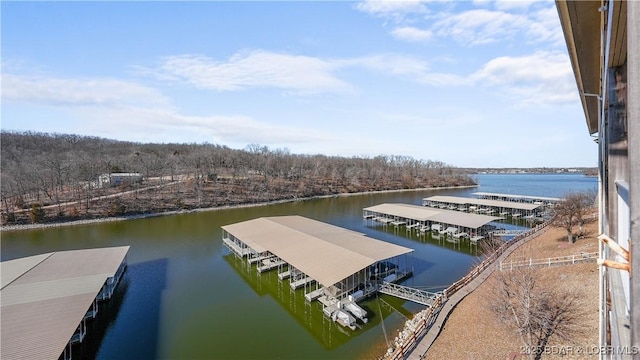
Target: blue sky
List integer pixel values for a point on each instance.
(470, 83)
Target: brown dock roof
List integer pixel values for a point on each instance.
(324, 252)
(422, 213)
(45, 297)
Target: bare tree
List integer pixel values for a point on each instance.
(535, 312)
(66, 168)
(571, 211)
(588, 202)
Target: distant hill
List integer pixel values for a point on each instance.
(61, 177)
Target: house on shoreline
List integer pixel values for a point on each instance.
(117, 179)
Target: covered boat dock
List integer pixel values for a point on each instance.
(336, 266)
(446, 222)
(518, 198)
(47, 299)
(486, 206)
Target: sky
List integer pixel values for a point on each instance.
(468, 83)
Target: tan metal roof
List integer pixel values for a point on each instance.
(44, 298)
(324, 252)
(512, 196)
(483, 202)
(12, 269)
(421, 213)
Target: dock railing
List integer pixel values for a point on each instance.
(417, 327)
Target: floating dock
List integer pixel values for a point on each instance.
(425, 219)
(329, 262)
(485, 206)
(518, 198)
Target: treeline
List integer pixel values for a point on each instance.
(54, 177)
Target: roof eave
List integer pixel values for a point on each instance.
(580, 21)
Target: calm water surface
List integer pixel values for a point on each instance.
(183, 296)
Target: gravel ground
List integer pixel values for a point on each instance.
(473, 331)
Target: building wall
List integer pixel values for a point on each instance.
(620, 154)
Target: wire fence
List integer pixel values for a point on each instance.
(580, 258)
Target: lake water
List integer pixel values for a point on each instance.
(183, 296)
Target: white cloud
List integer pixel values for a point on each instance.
(300, 74)
(130, 111)
(168, 124)
(393, 9)
(543, 77)
(407, 68)
(492, 21)
(45, 90)
(482, 3)
(411, 34)
(480, 26)
(255, 69)
(545, 27)
(542, 65)
(514, 4)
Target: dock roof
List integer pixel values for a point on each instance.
(45, 297)
(421, 213)
(483, 202)
(325, 252)
(521, 197)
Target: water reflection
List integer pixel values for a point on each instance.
(98, 327)
(329, 334)
(448, 242)
(141, 299)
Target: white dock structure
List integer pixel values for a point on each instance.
(47, 299)
(549, 201)
(486, 206)
(330, 262)
(438, 220)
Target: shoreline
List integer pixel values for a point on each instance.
(11, 228)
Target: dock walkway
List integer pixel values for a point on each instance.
(269, 264)
(408, 293)
(284, 275)
(301, 282)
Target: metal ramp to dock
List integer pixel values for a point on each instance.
(408, 293)
(508, 232)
